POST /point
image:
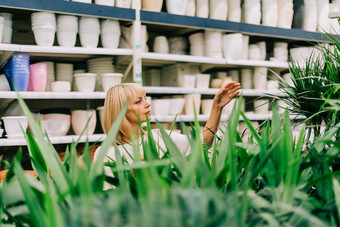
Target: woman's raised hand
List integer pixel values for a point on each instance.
(227, 92)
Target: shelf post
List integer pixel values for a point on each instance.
(137, 45)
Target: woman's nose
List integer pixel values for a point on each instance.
(147, 103)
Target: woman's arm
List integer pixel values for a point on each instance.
(222, 98)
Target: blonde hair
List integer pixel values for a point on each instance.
(114, 101)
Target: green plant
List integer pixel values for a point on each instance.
(266, 182)
(315, 82)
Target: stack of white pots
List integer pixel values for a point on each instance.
(100, 66)
(190, 8)
(213, 44)
(110, 33)
(281, 51)
(310, 15)
(7, 27)
(161, 45)
(232, 46)
(44, 27)
(285, 13)
(197, 44)
(269, 12)
(89, 31)
(64, 72)
(257, 51)
(234, 10)
(251, 11)
(218, 9)
(202, 8)
(67, 30)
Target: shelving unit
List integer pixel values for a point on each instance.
(162, 23)
(149, 91)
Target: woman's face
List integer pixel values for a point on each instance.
(137, 110)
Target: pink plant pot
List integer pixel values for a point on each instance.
(38, 77)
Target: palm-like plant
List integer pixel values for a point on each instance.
(315, 82)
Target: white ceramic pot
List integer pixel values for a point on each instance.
(89, 39)
(285, 18)
(161, 45)
(206, 106)
(234, 10)
(85, 82)
(254, 52)
(110, 40)
(261, 106)
(202, 81)
(187, 81)
(202, 8)
(213, 44)
(176, 6)
(218, 9)
(60, 86)
(123, 3)
(191, 101)
(110, 79)
(160, 107)
(263, 49)
(79, 120)
(191, 8)
(216, 83)
(66, 38)
(176, 106)
(197, 44)
(272, 85)
(105, 2)
(44, 37)
(288, 79)
(14, 126)
(232, 46)
(260, 78)
(246, 78)
(234, 74)
(56, 124)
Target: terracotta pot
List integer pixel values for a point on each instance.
(152, 5)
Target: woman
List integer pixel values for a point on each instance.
(139, 108)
